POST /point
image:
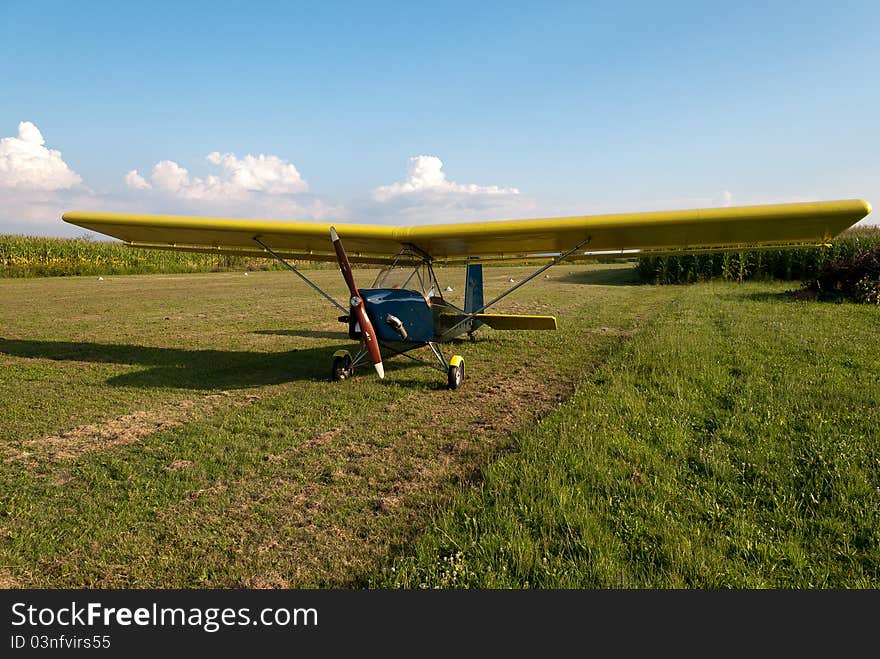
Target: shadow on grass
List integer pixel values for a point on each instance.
(616, 276)
(174, 368)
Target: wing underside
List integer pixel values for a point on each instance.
(712, 229)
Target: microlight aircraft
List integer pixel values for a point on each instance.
(404, 308)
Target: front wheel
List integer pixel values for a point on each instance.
(455, 374)
(342, 369)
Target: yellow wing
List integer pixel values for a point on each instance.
(700, 229)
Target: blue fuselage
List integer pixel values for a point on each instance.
(411, 308)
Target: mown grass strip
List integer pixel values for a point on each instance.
(732, 443)
(314, 483)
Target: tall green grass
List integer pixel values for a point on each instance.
(731, 443)
(785, 264)
(35, 256)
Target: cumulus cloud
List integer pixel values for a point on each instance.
(263, 173)
(237, 180)
(427, 195)
(171, 177)
(36, 185)
(27, 164)
(135, 181)
(250, 186)
(426, 181)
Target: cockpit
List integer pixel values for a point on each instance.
(412, 274)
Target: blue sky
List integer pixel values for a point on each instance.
(423, 112)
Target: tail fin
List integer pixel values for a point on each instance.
(473, 288)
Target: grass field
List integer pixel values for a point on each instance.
(180, 431)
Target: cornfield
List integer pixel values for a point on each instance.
(32, 256)
(786, 264)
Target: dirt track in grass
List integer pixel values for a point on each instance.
(125, 429)
(156, 465)
(365, 490)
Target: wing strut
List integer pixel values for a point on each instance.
(301, 275)
(510, 290)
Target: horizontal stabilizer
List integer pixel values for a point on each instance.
(502, 321)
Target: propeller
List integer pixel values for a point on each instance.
(357, 306)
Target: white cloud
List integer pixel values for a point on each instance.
(428, 196)
(724, 199)
(426, 182)
(135, 181)
(238, 180)
(26, 163)
(252, 186)
(261, 173)
(36, 187)
(171, 177)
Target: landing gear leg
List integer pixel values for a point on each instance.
(454, 367)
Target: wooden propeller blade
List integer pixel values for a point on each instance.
(367, 331)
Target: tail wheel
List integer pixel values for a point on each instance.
(456, 372)
(342, 369)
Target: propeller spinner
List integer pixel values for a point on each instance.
(357, 306)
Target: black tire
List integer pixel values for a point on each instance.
(341, 368)
(455, 375)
